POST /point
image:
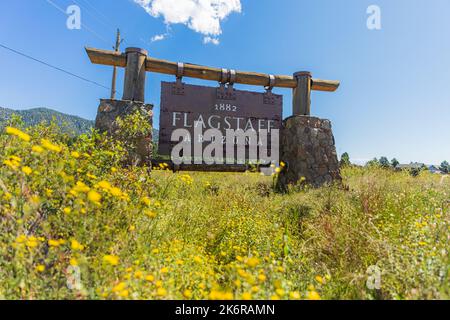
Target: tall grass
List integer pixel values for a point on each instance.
(76, 224)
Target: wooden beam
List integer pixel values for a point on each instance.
(107, 58)
(111, 58)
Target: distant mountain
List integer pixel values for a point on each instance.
(32, 117)
(70, 124)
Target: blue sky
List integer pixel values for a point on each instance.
(393, 100)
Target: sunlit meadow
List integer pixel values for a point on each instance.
(76, 223)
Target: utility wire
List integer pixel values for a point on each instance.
(82, 24)
(53, 67)
(94, 15)
(98, 11)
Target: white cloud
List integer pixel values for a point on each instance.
(158, 37)
(212, 40)
(202, 16)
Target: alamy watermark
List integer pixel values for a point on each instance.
(374, 18)
(374, 278)
(74, 17)
(233, 147)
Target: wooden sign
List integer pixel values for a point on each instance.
(223, 108)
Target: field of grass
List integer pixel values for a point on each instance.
(76, 224)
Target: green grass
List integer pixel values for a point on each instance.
(126, 233)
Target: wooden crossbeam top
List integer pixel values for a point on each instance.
(112, 58)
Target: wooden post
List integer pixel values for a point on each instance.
(134, 84)
(301, 99)
(113, 84)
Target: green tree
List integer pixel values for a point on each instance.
(384, 162)
(394, 163)
(345, 160)
(373, 163)
(445, 167)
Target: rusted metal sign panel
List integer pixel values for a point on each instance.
(215, 108)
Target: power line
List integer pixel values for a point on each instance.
(98, 11)
(82, 24)
(53, 67)
(94, 15)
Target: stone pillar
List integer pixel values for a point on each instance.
(141, 148)
(301, 97)
(307, 147)
(135, 73)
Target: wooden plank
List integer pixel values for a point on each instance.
(325, 85)
(108, 58)
(111, 58)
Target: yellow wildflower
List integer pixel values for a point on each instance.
(94, 196)
(280, 292)
(164, 270)
(146, 201)
(227, 296)
(75, 245)
(197, 259)
(91, 176)
(295, 295)
(112, 260)
(20, 134)
(313, 295)
(215, 295)
(179, 262)
(67, 210)
(187, 294)
(252, 262)
(116, 192)
(262, 277)
(40, 268)
(81, 187)
(27, 170)
(37, 149)
(319, 279)
(54, 243)
(161, 292)
(119, 287)
(75, 154)
(150, 213)
(124, 294)
(150, 278)
(246, 296)
(73, 262)
(32, 242)
(50, 146)
(12, 164)
(21, 239)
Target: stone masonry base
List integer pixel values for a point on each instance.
(110, 110)
(307, 146)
